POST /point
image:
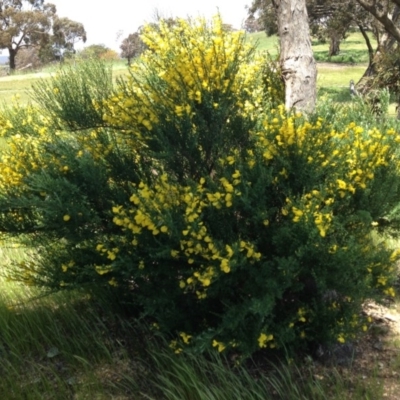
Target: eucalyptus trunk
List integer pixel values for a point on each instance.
(11, 57)
(296, 58)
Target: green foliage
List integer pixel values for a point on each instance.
(221, 219)
(73, 106)
(95, 52)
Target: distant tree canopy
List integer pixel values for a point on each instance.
(66, 33)
(34, 23)
(132, 46)
(98, 52)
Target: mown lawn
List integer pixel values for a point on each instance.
(353, 59)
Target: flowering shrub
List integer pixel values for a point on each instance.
(222, 219)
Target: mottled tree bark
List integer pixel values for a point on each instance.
(297, 58)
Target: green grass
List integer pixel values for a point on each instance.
(16, 87)
(328, 78)
(264, 42)
(70, 346)
(339, 76)
(353, 49)
(20, 83)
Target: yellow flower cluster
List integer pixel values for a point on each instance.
(190, 60)
(263, 340)
(347, 159)
(206, 257)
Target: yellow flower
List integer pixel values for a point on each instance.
(174, 253)
(113, 282)
(263, 339)
(220, 345)
(225, 266)
(297, 214)
(382, 280)
(229, 251)
(341, 184)
(102, 270)
(390, 292)
(66, 217)
(341, 338)
(186, 338)
(236, 174)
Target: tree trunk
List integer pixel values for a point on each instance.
(296, 58)
(334, 46)
(386, 43)
(12, 54)
(371, 65)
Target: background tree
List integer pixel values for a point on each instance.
(263, 13)
(384, 67)
(296, 56)
(24, 23)
(132, 46)
(252, 24)
(329, 20)
(97, 52)
(66, 33)
(28, 57)
(34, 23)
(386, 17)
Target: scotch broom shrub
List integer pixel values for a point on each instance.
(218, 217)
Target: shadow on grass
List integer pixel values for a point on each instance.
(335, 94)
(345, 56)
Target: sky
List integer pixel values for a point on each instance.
(108, 22)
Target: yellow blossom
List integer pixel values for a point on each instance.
(113, 282)
(225, 266)
(185, 337)
(263, 339)
(219, 345)
(341, 338)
